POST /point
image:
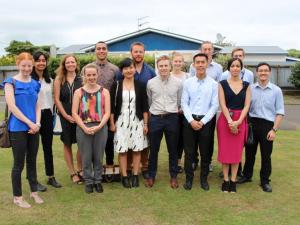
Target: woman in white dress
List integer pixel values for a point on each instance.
(129, 120)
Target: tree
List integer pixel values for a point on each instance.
(294, 53)
(295, 75)
(16, 47)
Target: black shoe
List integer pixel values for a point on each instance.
(98, 187)
(53, 182)
(129, 173)
(135, 181)
(232, 186)
(266, 187)
(145, 174)
(41, 188)
(204, 185)
(225, 186)
(243, 179)
(188, 185)
(126, 182)
(89, 188)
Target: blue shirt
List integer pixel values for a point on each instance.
(214, 70)
(146, 74)
(266, 102)
(200, 97)
(26, 95)
(245, 75)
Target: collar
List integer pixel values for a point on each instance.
(101, 64)
(201, 80)
(165, 80)
(269, 85)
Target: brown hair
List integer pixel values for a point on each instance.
(61, 71)
(175, 54)
(237, 49)
(24, 56)
(163, 57)
(136, 43)
(90, 65)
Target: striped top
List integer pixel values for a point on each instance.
(91, 107)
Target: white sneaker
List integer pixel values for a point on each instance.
(37, 199)
(19, 201)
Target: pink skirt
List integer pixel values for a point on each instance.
(230, 146)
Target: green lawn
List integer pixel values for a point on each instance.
(161, 204)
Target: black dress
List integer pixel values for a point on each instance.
(68, 135)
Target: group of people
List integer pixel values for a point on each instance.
(129, 109)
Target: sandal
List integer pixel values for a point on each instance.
(75, 181)
(80, 175)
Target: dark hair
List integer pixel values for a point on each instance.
(263, 64)
(230, 61)
(136, 43)
(200, 55)
(36, 55)
(101, 42)
(125, 63)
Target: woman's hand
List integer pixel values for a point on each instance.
(88, 130)
(112, 127)
(145, 129)
(70, 119)
(233, 126)
(33, 128)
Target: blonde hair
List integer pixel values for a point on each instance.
(24, 56)
(177, 54)
(61, 71)
(90, 65)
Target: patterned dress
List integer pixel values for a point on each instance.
(129, 129)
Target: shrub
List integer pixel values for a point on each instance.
(295, 75)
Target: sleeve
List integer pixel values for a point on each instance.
(219, 73)
(279, 103)
(149, 94)
(224, 75)
(37, 86)
(185, 102)
(112, 97)
(213, 106)
(7, 81)
(144, 98)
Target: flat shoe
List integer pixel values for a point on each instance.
(21, 203)
(37, 199)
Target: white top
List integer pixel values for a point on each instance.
(45, 95)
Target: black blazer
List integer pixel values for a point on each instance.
(141, 102)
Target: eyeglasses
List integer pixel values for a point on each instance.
(263, 71)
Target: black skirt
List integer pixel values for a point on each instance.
(68, 135)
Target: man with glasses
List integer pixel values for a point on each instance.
(266, 113)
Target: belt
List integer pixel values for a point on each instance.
(197, 117)
(163, 115)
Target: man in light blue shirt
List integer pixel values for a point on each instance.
(266, 113)
(199, 103)
(213, 70)
(246, 75)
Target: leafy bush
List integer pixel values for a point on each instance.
(295, 75)
(8, 60)
(223, 60)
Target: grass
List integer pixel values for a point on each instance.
(161, 204)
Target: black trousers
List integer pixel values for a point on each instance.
(109, 148)
(192, 140)
(261, 128)
(46, 133)
(24, 146)
(180, 136)
(159, 126)
(212, 138)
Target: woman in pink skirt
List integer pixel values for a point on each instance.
(234, 97)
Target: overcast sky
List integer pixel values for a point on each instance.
(67, 22)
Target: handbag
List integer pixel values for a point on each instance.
(250, 138)
(111, 174)
(57, 129)
(4, 134)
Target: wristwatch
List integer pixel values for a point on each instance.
(274, 129)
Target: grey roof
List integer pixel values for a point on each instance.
(271, 63)
(73, 49)
(274, 50)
